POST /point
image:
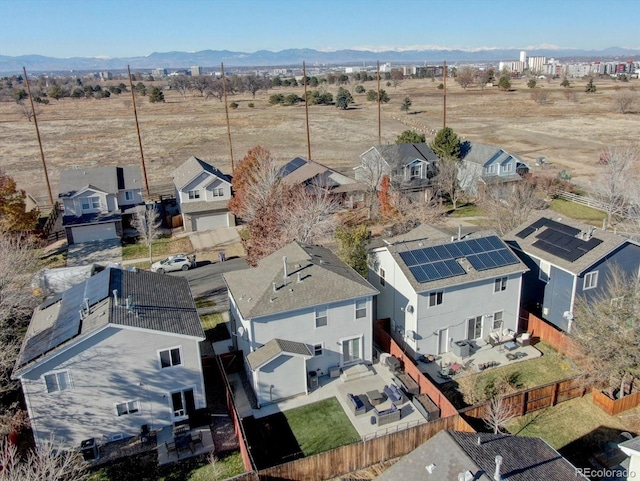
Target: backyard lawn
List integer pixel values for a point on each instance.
(577, 211)
(321, 426)
(161, 248)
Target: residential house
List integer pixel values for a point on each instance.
(98, 202)
(461, 456)
(314, 176)
(482, 165)
(438, 291)
(113, 353)
(301, 310)
(568, 259)
(410, 167)
(203, 193)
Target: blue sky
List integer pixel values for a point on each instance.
(128, 28)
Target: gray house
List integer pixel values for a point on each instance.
(98, 201)
(568, 259)
(111, 354)
(203, 193)
(460, 456)
(301, 310)
(481, 165)
(438, 291)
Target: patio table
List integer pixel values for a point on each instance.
(375, 397)
(510, 346)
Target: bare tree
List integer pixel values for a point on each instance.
(624, 102)
(617, 180)
(26, 111)
(540, 96)
(200, 84)
(466, 76)
(147, 222)
(47, 463)
(497, 414)
(426, 210)
(447, 180)
(509, 205)
(180, 83)
(217, 469)
(372, 169)
(308, 215)
(606, 328)
(571, 96)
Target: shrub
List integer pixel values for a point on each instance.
(250, 105)
(234, 105)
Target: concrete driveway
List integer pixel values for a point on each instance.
(214, 238)
(100, 252)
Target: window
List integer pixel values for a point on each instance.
(590, 280)
(475, 328)
(382, 281)
(128, 407)
(218, 192)
(170, 357)
(508, 167)
(435, 298)
(491, 169)
(545, 270)
(321, 316)
(317, 350)
(128, 195)
(90, 203)
(497, 320)
(416, 171)
(57, 381)
(183, 403)
(194, 194)
(361, 308)
(500, 284)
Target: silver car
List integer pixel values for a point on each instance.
(172, 263)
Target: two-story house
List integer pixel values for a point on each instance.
(438, 291)
(111, 354)
(409, 166)
(97, 202)
(481, 165)
(203, 193)
(568, 259)
(300, 311)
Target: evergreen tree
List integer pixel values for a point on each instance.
(591, 87)
(410, 137)
(406, 104)
(343, 99)
(155, 95)
(446, 144)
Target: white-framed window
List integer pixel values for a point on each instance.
(128, 195)
(318, 350)
(491, 169)
(474, 328)
(57, 381)
(170, 357)
(361, 308)
(218, 192)
(435, 298)
(91, 203)
(500, 284)
(508, 167)
(128, 407)
(182, 402)
(321, 316)
(545, 271)
(590, 280)
(497, 320)
(194, 194)
(382, 274)
(415, 171)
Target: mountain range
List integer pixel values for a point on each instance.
(266, 58)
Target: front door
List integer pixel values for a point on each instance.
(443, 335)
(183, 404)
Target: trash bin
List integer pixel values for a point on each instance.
(89, 449)
(222, 257)
(313, 379)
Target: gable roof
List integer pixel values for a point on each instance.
(315, 276)
(274, 348)
(454, 452)
(301, 171)
(485, 154)
(558, 241)
(191, 168)
(107, 179)
(440, 262)
(399, 155)
(155, 302)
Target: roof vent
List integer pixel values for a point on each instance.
(466, 476)
(274, 287)
(284, 261)
(299, 278)
(479, 441)
(115, 296)
(497, 476)
(430, 468)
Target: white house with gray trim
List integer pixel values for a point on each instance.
(118, 351)
(301, 310)
(437, 291)
(203, 193)
(97, 202)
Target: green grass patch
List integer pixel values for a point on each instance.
(577, 211)
(53, 260)
(215, 327)
(210, 321)
(202, 302)
(225, 467)
(467, 210)
(321, 426)
(161, 247)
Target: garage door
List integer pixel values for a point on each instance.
(211, 221)
(92, 233)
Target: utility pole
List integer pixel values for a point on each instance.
(306, 107)
(135, 114)
(35, 122)
(226, 112)
(444, 83)
(379, 121)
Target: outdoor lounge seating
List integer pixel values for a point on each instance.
(524, 339)
(500, 337)
(196, 438)
(387, 416)
(394, 394)
(356, 404)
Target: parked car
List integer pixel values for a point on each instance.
(172, 263)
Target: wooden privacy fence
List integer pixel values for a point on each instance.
(353, 457)
(614, 406)
(548, 333)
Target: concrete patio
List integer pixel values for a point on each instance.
(479, 356)
(165, 436)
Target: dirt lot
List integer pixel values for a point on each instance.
(89, 132)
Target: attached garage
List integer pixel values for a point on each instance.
(95, 232)
(212, 220)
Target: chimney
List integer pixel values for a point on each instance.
(284, 261)
(115, 296)
(496, 475)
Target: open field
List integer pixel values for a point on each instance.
(90, 132)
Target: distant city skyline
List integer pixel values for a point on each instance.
(120, 28)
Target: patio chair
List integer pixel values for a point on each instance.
(196, 438)
(171, 446)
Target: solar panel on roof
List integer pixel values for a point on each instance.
(291, 166)
(408, 259)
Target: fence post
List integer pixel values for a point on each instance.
(554, 394)
(525, 398)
